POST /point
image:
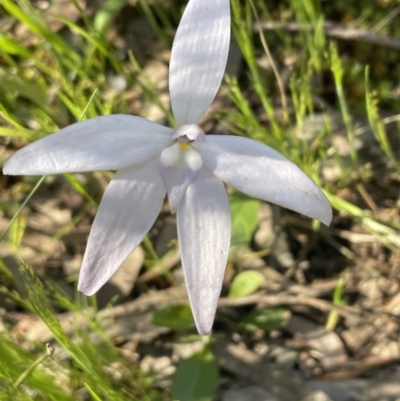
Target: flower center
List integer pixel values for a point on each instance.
(184, 146)
(180, 163)
(184, 136)
(189, 133)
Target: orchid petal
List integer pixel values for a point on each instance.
(102, 143)
(129, 207)
(262, 172)
(204, 231)
(198, 58)
(178, 169)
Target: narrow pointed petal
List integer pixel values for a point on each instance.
(127, 211)
(262, 172)
(180, 175)
(204, 231)
(102, 143)
(198, 58)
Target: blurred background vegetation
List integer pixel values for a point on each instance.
(317, 80)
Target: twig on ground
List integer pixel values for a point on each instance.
(353, 370)
(288, 299)
(354, 313)
(334, 30)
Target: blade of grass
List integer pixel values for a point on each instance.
(27, 199)
(48, 353)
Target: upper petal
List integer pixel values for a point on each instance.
(127, 211)
(198, 58)
(262, 172)
(101, 143)
(204, 231)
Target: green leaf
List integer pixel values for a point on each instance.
(20, 133)
(266, 319)
(176, 317)
(196, 378)
(106, 13)
(10, 46)
(338, 299)
(245, 283)
(244, 219)
(34, 91)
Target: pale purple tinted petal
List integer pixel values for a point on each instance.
(127, 211)
(177, 179)
(198, 58)
(103, 143)
(204, 231)
(262, 172)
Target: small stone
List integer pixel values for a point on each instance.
(161, 367)
(248, 393)
(270, 235)
(118, 83)
(387, 349)
(287, 359)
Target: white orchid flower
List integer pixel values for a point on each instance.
(184, 163)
